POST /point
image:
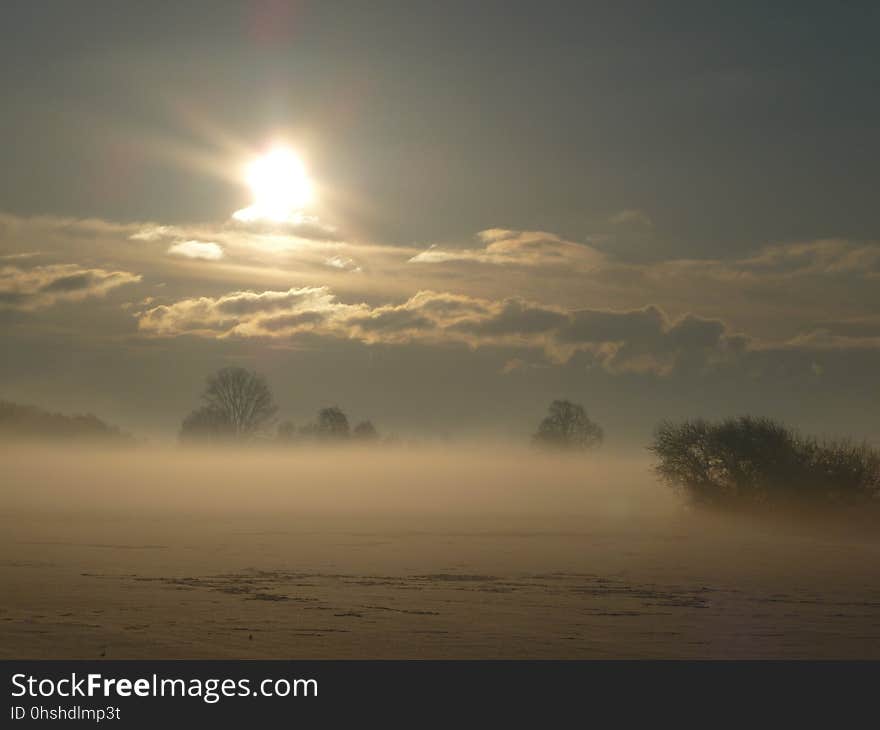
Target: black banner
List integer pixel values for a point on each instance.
(415, 693)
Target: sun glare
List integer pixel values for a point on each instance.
(280, 186)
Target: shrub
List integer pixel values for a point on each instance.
(567, 427)
(332, 424)
(757, 460)
(365, 431)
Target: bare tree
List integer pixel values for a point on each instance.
(567, 426)
(237, 404)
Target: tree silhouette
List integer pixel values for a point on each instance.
(757, 460)
(365, 431)
(237, 404)
(205, 424)
(22, 421)
(332, 424)
(567, 426)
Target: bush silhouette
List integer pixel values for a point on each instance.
(29, 422)
(568, 427)
(750, 460)
(332, 424)
(365, 431)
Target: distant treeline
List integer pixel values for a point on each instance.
(238, 405)
(744, 461)
(30, 422)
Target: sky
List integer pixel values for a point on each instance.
(657, 211)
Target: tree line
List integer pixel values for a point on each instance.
(735, 462)
(238, 405)
(743, 461)
(29, 422)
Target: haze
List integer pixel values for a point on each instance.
(403, 552)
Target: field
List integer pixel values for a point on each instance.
(417, 553)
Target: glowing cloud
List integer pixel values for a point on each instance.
(206, 250)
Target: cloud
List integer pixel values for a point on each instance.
(779, 292)
(827, 340)
(20, 256)
(152, 232)
(243, 241)
(541, 250)
(831, 256)
(240, 313)
(504, 247)
(513, 317)
(298, 225)
(852, 327)
(631, 217)
(342, 262)
(193, 249)
(42, 286)
(643, 340)
(824, 258)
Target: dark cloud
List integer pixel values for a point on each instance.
(40, 287)
(592, 325)
(395, 319)
(71, 283)
(830, 256)
(621, 341)
(290, 322)
(515, 317)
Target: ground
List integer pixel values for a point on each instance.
(82, 578)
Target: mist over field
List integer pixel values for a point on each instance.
(364, 482)
(395, 551)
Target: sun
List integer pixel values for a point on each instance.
(280, 186)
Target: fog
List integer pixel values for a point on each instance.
(450, 483)
(391, 551)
